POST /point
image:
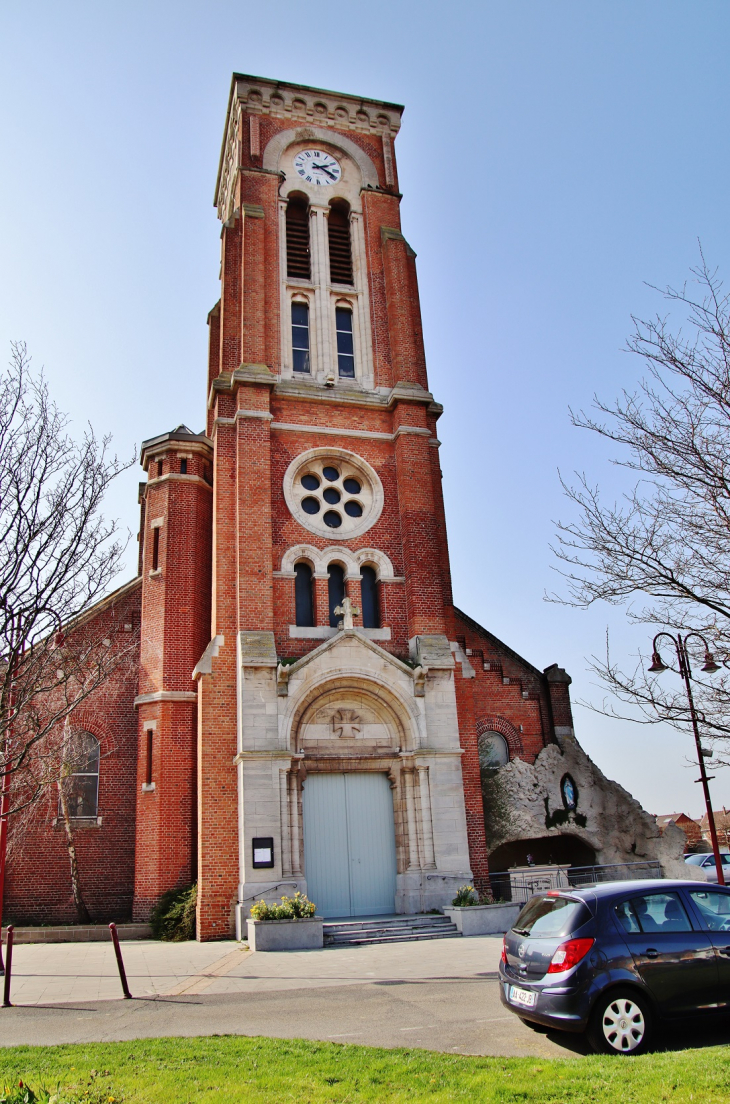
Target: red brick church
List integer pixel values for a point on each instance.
(310, 709)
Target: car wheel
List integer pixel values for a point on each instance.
(621, 1023)
(534, 1026)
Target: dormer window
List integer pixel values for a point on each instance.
(300, 336)
(297, 239)
(340, 247)
(345, 347)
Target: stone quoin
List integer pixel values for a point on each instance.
(304, 677)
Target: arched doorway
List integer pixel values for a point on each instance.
(559, 850)
(354, 786)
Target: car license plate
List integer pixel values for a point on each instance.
(522, 996)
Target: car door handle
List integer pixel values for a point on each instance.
(652, 952)
(724, 951)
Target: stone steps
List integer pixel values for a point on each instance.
(400, 929)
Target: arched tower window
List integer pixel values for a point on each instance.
(370, 598)
(336, 591)
(345, 347)
(338, 231)
(297, 238)
(303, 594)
(81, 780)
(300, 335)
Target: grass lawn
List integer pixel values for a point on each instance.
(236, 1069)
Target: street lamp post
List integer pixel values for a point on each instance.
(685, 670)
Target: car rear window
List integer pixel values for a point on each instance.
(551, 916)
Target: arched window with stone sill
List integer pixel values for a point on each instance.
(369, 597)
(303, 595)
(81, 777)
(335, 591)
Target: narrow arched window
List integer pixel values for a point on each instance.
(336, 591)
(297, 238)
(338, 233)
(345, 347)
(80, 779)
(303, 594)
(369, 598)
(300, 336)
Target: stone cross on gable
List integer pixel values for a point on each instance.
(346, 611)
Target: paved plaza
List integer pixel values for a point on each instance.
(438, 994)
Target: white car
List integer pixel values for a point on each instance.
(706, 864)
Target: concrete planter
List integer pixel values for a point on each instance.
(286, 935)
(483, 919)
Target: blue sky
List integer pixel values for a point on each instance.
(554, 158)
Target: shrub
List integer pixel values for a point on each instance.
(291, 908)
(465, 895)
(173, 917)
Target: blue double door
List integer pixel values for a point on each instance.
(349, 844)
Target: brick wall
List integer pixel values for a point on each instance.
(38, 882)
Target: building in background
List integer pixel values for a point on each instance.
(312, 711)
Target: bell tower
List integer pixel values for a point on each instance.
(328, 745)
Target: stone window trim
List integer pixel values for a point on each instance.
(372, 495)
(319, 560)
(506, 729)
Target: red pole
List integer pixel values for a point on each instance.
(9, 967)
(120, 963)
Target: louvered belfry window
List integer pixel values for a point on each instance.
(338, 229)
(297, 239)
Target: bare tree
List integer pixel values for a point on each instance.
(58, 557)
(663, 550)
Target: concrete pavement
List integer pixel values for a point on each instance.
(440, 995)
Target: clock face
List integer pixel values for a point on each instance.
(317, 167)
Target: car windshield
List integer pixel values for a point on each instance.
(551, 916)
(695, 860)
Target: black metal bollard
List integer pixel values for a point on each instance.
(120, 962)
(8, 966)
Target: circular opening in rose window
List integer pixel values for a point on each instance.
(332, 519)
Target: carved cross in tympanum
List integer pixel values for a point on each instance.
(346, 723)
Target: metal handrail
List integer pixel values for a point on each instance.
(268, 889)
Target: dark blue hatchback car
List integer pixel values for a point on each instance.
(616, 959)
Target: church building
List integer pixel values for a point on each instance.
(310, 711)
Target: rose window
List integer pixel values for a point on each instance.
(333, 492)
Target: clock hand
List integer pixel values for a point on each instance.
(325, 169)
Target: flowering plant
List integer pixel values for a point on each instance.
(465, 895)
(298, 907)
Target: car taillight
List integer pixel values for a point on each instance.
(504, 950)
(569, 954)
